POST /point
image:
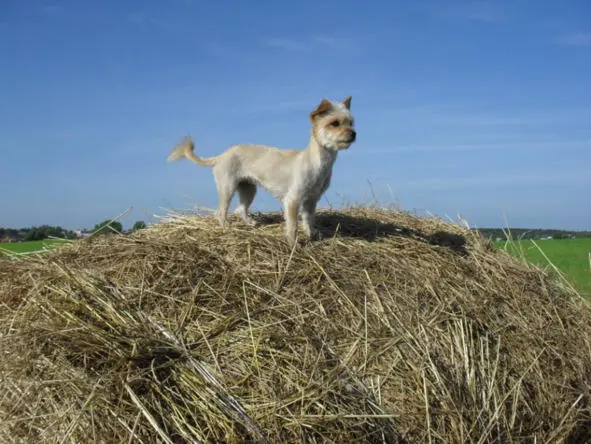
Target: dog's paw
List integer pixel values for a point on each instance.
(291, 239)
(252, 222)
(223, 225)
(314, 235)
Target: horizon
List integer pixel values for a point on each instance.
(480, 108)
(148, 223)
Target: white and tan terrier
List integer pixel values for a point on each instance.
(298, 178)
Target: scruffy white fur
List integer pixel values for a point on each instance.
(298, 178)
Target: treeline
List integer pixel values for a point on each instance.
(525, 233)
(36, 233)
(110, 227)
(47, 231)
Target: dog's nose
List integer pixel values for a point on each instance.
(353, 135)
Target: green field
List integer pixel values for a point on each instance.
(570, 256)
(28, 247)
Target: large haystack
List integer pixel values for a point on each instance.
(393, 328)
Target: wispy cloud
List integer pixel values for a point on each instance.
(316, 41)
(285, 44)
(519, 145)
(475, 11)
(460, 116)
(576, 39)
(327, 40)
(52, 9)
(224, 51)
(161, 24)
(279, 106)
(520, 178)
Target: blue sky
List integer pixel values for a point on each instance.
(481, 108)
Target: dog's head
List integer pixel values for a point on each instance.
(333, 125)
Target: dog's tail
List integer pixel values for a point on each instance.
(185, 149)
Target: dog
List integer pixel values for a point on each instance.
(298, 178)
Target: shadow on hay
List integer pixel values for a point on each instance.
(581, 433)
(345, 225)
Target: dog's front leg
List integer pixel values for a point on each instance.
(291, 219)
(309, 216)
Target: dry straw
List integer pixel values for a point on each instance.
(393, 328)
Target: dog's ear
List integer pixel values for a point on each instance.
(347, 102)
(324, 106)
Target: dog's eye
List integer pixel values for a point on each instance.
(335, 123)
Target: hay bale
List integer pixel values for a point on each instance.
(393, 328)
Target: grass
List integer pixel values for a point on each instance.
(570, 256)
(31, 246)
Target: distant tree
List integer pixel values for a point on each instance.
(525, 234)
(45, 231)
(33, 234)
(139, 225)
(114, 226)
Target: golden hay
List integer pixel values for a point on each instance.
(394, 328)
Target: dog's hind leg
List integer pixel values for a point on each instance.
(224, 197)
(226, 190)
(246, 193)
